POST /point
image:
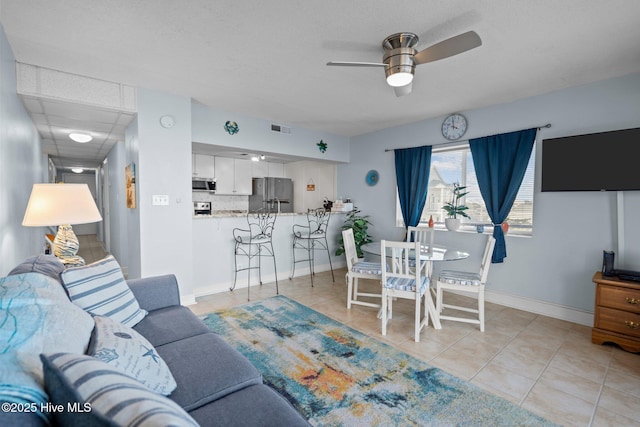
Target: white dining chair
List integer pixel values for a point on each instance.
(466, 282)
(424, 235)
(358, 270)
(400, 280)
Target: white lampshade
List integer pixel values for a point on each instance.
(399, 79)
(56, 204)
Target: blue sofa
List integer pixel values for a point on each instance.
(216, 385)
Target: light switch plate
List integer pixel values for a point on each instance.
(160, 200)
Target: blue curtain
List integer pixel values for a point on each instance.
(500, 162)
(412, 175)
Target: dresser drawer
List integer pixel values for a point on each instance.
(619, 321)
(621, 298)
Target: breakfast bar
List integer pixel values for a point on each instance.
(213, 250)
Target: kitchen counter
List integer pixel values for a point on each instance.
(236, 214)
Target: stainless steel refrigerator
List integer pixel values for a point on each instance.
(271, 195)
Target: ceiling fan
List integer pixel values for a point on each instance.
(400, 58)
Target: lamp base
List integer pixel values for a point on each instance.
(66, 245)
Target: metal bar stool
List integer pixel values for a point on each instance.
(255, 242)
(310, 238)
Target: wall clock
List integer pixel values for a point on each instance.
(372, 177)
(454, 126)
(167, 121)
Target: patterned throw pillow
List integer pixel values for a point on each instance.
(100, 289)
(125, 349)
(93, 393)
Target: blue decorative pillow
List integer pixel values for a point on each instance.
(35, 317)
(100, 289)
(48, 265)
(104, 395)
(125, 349)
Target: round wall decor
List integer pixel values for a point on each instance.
(454, 126)
(372, 177)
(231, 127)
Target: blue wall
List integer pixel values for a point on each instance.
(21, 165)
(557, 263)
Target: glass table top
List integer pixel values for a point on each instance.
(437, 252)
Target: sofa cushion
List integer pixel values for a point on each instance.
(257, 405)
(36, 317)
(206, 368)
(109, 397)
(170, 324)
(123, 348)
(48, 265)
(100, 289)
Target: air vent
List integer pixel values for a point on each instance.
(280, 128)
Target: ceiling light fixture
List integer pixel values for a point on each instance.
(255, 159)
(262, 157)
(399, 79)
(80, 137)
(77, 170)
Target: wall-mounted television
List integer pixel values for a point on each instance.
(605, 161)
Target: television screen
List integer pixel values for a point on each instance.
(606, 161)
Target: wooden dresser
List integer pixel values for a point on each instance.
(617, 313)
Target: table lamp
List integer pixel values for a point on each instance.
(62, 205)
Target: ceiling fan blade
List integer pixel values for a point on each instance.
(449, 47)
(356, 64)
(403, 90)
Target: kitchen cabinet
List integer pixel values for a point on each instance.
(267, 170)
(204, 166)
(233, 176)
(276, 170)
(617, 313)
(260, 169)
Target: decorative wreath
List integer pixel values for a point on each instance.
(231, 127)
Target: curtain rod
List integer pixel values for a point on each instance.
(548, 125)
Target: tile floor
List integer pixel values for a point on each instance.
(545, 365)
(91, 249)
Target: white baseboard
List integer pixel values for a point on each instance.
(189, 299)
(266, 278)
(544, 308)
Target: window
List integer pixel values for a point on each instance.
(453, 164)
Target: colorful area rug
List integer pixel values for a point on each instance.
(335, 375)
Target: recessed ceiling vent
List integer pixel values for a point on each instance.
(280, 128)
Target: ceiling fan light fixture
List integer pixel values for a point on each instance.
(399, 79)
(80, 137)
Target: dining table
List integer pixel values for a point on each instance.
(428, 255)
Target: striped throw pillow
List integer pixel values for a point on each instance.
(101, 290)
(93, 393)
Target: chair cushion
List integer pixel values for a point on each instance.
(464, 278)
(404, 284)
(367, 268)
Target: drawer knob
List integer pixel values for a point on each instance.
(631, 325)
(632, 300)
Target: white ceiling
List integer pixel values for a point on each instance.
(267, 59)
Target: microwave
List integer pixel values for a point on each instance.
(203, 184)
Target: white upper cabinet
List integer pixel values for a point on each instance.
(204, 166)
(233, 176)
(260, 169)
(276, 170)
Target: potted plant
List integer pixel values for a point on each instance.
(455, 209)
(360, 225)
